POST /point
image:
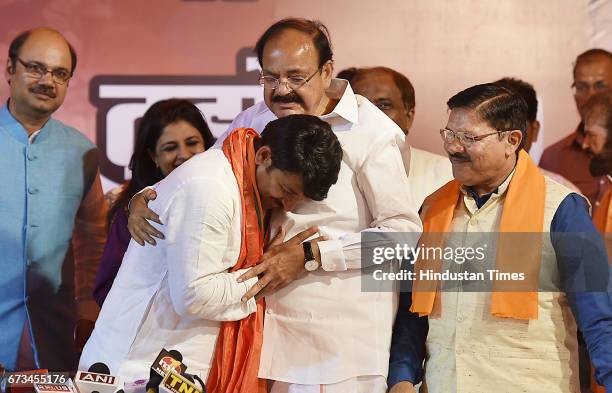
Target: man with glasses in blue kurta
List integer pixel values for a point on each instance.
(52, 212)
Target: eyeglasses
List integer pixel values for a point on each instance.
(582, 89)
(292, 82)
(38, 70)
(465, 139)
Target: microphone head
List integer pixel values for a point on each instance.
(97, 379)
(166, 361)
(176, 354)
(99, 368)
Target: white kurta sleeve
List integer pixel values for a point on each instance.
(198, 223)
(382, 180)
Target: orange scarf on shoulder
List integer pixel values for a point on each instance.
(523, 212)
(602, 218)
(236, 360)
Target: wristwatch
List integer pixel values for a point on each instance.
(310, 263)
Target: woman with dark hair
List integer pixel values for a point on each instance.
(170, 132)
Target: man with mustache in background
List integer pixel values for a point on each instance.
(597, 143)
(52, 212)
(592, 74)
(394, 95)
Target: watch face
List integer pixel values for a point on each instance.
(311, 265)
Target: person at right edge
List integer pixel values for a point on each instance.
(510, 338)
(598, 144)
(592, 74)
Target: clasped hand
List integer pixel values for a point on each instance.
(281, 264)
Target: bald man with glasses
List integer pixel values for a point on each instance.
(52, 214)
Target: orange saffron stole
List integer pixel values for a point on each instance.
(602, 218)
(236, 361)
(522, 214)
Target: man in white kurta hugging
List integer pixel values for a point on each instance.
(214, 209)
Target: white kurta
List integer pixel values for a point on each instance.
(323, 328)
(173, 295)
(426, 172)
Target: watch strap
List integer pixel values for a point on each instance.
(308, 255)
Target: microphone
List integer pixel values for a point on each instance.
(168, 360)
(164, 362)
(176, 383)
(153, 383)
(96, 380)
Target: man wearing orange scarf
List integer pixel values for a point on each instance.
(598, 142)
(183, 294)
(504, 339)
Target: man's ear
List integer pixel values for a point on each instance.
(513, 141)
(535, 131)
(8, 71)
(409, 118)
(327, 72)
(263, 156)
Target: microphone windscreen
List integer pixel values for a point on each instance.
(167, 360)
(99, 368)
(176, 354)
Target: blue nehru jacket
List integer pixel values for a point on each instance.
(41, 188)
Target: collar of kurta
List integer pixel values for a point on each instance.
(346, 107)
(346, 110)
(481, 200)
(16, 130)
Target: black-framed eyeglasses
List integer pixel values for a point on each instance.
(465, 138)
(292, 82)
(38, 70)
